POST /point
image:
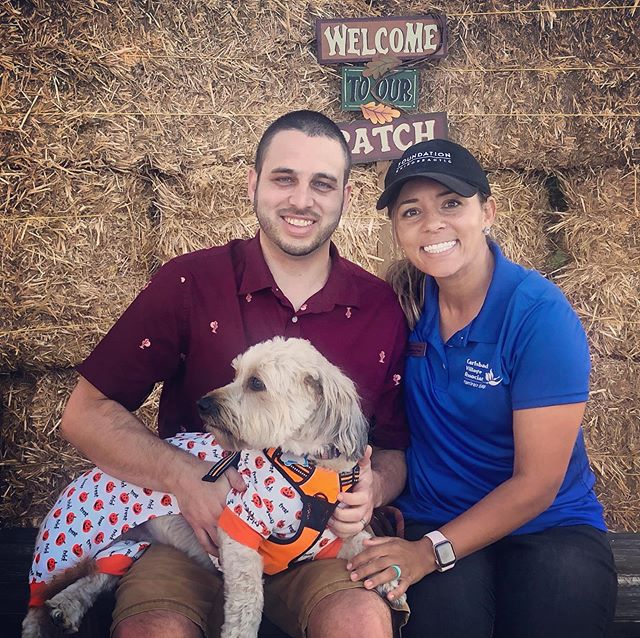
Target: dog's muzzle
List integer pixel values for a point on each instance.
(208, 407)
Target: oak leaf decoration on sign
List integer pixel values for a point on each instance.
(379, 113)
(380, 65)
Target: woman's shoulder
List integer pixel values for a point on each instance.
(534, 300)
(535, 289)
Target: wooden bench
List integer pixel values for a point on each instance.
(16, 546)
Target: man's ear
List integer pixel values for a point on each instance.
(347, 197)
(252, 184)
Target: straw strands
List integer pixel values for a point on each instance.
(74, 250)
(523, 206)
(513, 97)
(35, 462)
(612, 437)
(600, 230)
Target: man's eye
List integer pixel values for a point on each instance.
(256, 385)
(323, 186)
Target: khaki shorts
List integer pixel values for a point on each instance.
(165, 579)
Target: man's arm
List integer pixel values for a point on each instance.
(389, 475)
(115, 440)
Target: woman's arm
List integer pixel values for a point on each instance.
(543, 442)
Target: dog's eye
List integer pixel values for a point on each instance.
(256, 385)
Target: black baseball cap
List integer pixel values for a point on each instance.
(441, 160)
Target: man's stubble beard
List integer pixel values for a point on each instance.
(269, 227)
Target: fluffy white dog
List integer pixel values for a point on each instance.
(295, 423)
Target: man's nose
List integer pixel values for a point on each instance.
(301, 197)
(208, 406)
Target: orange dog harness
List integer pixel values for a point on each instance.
(285, 509)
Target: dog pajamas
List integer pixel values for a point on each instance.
(96, 509)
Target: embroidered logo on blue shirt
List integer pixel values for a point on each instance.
(479, 375)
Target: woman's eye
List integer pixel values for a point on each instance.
(256, 384)
(451, 203)
(410, 212)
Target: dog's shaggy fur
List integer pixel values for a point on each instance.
(285, 395)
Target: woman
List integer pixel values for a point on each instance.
(505, 536)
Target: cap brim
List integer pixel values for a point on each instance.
(456, 185)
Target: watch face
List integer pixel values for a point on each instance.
(445, 554)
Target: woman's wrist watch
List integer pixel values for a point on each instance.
(443, 550)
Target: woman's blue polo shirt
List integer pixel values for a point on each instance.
(525, 349)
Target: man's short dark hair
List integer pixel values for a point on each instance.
(310, 123)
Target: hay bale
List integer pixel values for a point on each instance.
(612, 436)
(36, 462)
(560, 94)
(121, 120)
(599, 231)
(606, 298)
(204, 207)
(16, 395)
(187, 82)
(522, 210)
(74, 254)
(602, 221)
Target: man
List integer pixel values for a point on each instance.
(185, 327)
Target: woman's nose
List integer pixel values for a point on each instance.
(431, 221)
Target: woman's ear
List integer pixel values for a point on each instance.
(489, 211)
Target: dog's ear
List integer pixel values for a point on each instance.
(339, 411)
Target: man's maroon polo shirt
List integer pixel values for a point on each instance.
(202, 309)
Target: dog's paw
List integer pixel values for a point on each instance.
(385, 588)
(66, 614)
(231, 631)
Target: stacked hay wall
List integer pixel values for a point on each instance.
(126, 131)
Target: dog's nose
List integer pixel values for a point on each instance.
(207, 406)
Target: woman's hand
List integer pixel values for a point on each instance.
(374, 564)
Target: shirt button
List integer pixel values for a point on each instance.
(444, 365)
(294, 319)
(303, 308)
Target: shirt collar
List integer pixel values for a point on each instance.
(505, 279)
(339, 290)
(256, 275)
(487, 324)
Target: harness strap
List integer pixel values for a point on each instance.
(219, 468)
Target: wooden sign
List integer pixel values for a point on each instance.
(398, 88)
(370, 142)
(360, 39)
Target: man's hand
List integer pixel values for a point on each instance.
(201, 503)
(355, 508)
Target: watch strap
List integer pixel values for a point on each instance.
(437, 537)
